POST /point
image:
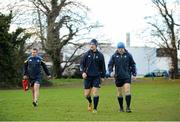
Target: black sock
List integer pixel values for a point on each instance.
(89, 99)
(128, 100)
(96, 100)
(120, 100)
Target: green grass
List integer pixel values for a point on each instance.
(65, 82)
(151, 100)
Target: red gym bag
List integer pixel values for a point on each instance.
(25, 84)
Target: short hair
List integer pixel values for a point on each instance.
(35, 49)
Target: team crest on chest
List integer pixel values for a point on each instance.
(89, 56)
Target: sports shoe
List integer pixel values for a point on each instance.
(35, 104)
(90, 107)
(94, 111)
(121, 109)
(128, 110)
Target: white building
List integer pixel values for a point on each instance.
(145, 57)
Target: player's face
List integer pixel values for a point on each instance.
(34, 53)
(93, 47)
(121, 50)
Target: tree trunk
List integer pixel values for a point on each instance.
(57, 68)
(52, 46)
(174, 60)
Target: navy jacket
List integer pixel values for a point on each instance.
(124, 65)
(32, 67)
(93, 64)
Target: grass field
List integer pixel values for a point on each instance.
(151, 100)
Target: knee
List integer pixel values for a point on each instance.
(86, 93)
(36, 85)
(127, 91)
(95, 93)
(120, 91)
(119, 94)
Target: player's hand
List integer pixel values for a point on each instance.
(84, 75)
(133, 78)
(49, 76)
(112, 74)
(102, 79)
(25, 77)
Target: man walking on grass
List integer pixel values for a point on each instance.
(125, 70)
(32, 71)
(93, 69)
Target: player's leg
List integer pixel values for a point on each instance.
(33, 93)
(36, 87)
(95, 98)
(128, 96)
(95, 91)
(36, 93)
(120, 97)
(87, 93)
(119, 85)
(33, 90)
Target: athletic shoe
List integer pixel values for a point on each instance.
(121, 110)
(35, 104)
(90, 107)
(94, 111)
(128, 110)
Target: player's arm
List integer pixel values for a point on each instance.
(45, 68)
(132, 66)
(110, 65)
(25, 69)
(103, 67)
(83, 68)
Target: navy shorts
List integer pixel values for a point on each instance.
(121, 82)
(90, 82)
(33, 81)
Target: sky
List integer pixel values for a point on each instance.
(120, 17)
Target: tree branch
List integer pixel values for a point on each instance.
(44, 6)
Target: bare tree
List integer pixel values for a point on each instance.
(57, 23)
(165, 31)
(65, 21)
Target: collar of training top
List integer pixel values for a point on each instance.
(125, 52)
